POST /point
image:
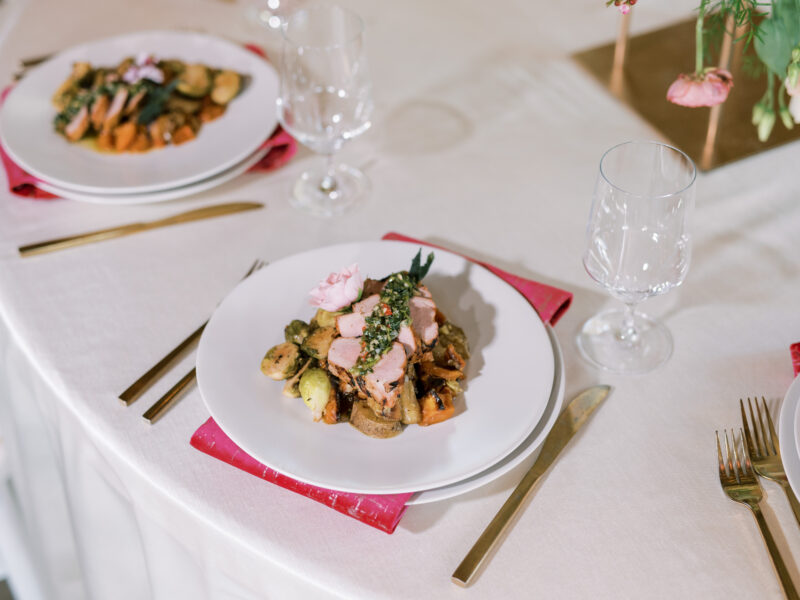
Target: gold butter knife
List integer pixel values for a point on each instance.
(206, 212)
(567, 425)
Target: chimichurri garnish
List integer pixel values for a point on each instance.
(390, 314)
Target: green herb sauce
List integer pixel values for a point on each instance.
(385, 321)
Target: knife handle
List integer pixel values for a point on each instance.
(80, 239)
(504, 517)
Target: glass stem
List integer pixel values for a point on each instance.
(628, 333)
(328, 183)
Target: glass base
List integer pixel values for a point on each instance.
(315, 193)
(601, 343)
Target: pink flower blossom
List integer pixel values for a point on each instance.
(624, 8)
(709, 89)
(338, 290)
(792, 91)
(144, 68)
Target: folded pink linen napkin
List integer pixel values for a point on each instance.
(282, 147)
(380, 511)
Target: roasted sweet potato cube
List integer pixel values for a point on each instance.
(437, 406)
(182, 135)
(124, 135)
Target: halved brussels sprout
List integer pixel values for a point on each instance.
(324, 318)
(281, 361)
(316, 389)
(318, 342)
(296, 331)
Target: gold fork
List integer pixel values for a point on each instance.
(740, 484)
(765, 452)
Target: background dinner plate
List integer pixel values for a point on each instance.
(787, 435)
(26, 120)
(160, 196)
(509, 377)
(527, 451)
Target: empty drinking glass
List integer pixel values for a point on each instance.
(325, 99)
(637, 246)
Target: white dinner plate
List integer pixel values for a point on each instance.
(159, 196)
(508, 379)
(529, 448)
(26, 120)
(787, 435)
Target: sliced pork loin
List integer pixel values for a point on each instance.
(409, 340)
(353, 324)
(384, 383)
(342, 356)
(423, 320)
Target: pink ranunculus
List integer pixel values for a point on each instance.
(338, 290)
(709, 89)
(792, 91)
(624, 8)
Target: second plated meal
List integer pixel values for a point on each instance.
(142, 103)
(378, 354)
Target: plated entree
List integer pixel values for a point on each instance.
(378, 353)
(142, 103)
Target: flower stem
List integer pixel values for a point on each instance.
(698, 39)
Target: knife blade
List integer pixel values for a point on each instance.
(206, 212)
(566, 426)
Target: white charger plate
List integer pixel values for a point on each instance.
(508, 383)
(26, 120)
(160, 196)
(527, 450)
(787, 435)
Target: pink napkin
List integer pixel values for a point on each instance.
(795, 349)
(380, 511)
(282, 147)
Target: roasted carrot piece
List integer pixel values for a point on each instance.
(183, 134)
(124, 135)
(437, 406)
(331, 413)
(105, 140)
(142, 141)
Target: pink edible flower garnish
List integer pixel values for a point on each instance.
(709, 89)
(338, 290)
(144, 68)
(624, 8)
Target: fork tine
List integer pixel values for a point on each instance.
(759, 448)
(767, 445)
(736, 459)
(773, 435)
(748, 466)
(747, 435)
(734, 473)
(722, 473)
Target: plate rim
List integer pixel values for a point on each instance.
(786, 431)
(139, 189)
(381, 490)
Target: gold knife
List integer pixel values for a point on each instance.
(567, 425)
(114, 232)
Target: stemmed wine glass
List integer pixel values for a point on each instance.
(637, 245)
(325, 99)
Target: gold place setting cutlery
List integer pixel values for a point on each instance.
(756, 452)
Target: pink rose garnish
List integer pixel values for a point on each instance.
(709, 89)
(144, 68)
(338, 290)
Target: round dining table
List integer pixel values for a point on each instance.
(486, 140)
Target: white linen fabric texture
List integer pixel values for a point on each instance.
(486, 141)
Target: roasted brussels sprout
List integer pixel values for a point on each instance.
(296, 331)
(226, 85)
(316, 391)
(194, 81)
(281, 361)
(450, 334)
(324, 318)
(318, 342)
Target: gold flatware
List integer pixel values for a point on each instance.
(206, 212)
(765, 452)
(566, 426)
(138, 387)
(740, 484)
(157, 410)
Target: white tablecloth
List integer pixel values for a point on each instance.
(487, 139)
